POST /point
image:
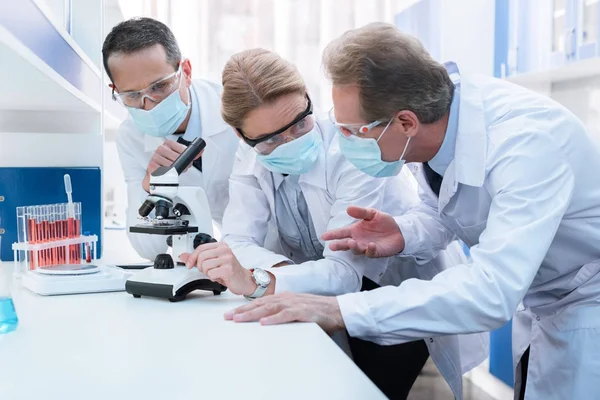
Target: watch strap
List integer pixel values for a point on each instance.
(260, 289)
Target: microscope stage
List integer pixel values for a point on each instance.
(163, 229)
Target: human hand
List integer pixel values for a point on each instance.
(376, 234)
(164, 156)
(218, 262)
(291, 307)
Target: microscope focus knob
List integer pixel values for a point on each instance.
(163, 261)
(170, 241)
(203, 238)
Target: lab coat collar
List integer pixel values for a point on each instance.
(470, 149)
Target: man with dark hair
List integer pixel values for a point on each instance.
(167, 111)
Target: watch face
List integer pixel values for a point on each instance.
(262, 277)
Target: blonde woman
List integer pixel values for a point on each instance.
(290, 172)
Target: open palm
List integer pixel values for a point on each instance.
(376, 234)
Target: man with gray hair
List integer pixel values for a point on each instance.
(511, 173)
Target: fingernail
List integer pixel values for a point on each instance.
(229, 315)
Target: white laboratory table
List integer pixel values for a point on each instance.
(112, 346)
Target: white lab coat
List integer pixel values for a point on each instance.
(136, 149)
(329, 188)
(524, 192)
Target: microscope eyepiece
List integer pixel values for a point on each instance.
(188, 155)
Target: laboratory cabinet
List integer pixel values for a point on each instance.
(545, 35)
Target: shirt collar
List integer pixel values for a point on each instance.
(194, 127)
(439, 163)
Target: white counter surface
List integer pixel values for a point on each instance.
(112, 346)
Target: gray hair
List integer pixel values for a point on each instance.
(393, 71)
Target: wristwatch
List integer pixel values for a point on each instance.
(262, 280)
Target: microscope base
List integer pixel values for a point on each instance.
(172, 284)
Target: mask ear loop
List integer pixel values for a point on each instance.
(407, 142)
(405, 148)
(384, 129)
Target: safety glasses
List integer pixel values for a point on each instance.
(353, 129)
(156, 92)
(300, 126)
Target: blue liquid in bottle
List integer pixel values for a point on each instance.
(8, 315)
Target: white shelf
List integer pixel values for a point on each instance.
(43, 68)
(575, 70)
(28, 83)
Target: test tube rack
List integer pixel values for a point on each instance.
(33, 251)
(50, 235)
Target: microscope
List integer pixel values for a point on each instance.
(182, 215)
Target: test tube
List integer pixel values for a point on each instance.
(46, 232)
(65, 231)
(59, 232)
(78, 247)
(52, 232)
(31, 235)
(88, 250)
(21, 237)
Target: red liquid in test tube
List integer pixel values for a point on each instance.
(46, 233)
(31, 234)
(78, 234)
(39, 230)
(52, 230)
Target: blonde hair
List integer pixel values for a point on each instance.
(255, 77)
(393, 71)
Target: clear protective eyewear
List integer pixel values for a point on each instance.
(349, 130)
(156, 92)
(300, 126)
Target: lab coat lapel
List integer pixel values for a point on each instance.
(468, 166)
(314, 188)
(268, 181)
(214, 129)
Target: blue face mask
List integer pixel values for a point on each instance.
(294, 158)
(365, 154)
(164, 119)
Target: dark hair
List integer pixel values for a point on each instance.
(138, 34)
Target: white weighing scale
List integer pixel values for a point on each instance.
(75, 279)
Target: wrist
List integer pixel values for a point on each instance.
(271, 287)
(250, 283)
(253, 285)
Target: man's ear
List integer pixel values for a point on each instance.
(408, 122)
(186, 68)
